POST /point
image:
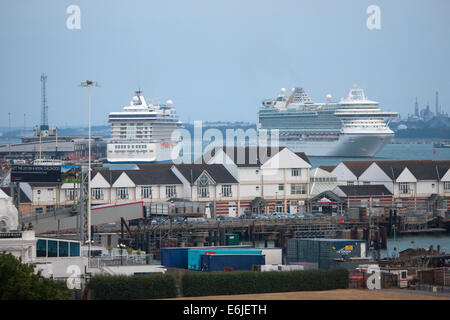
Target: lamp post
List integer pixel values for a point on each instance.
(88, 84)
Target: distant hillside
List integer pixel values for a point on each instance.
(437, 127)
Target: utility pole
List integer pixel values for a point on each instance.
(88, 84)
(9, 134)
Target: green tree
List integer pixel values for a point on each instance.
(19, 282)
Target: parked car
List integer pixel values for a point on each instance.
(280, 215)
(224, 218)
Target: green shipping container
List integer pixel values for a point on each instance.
(231, 239)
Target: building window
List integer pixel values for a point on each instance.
(226, 190)
(405, 187)
(350, 183)
(281, 187)
(298, 188)
(146, 192)
(122, 193)
(171, 191)
(296, 172)
(49, 208)
(447, 186)
(71, 194)
(97, 193)
(203, 192)
(63, 249)
(39, 210)
(41, 248)
(52, 248)
(203, 187)
(279, 206)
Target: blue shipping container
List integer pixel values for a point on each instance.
(221, 262)
(177, 257)
(194, 255)
(174, 257)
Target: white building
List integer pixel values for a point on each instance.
(412, 182)
(277, 175)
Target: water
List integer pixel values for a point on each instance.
(407, 151)
(6, 141)
(412, 151)
(415, 242)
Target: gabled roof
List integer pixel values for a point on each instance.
(442, 167)
(326, 194)
(327, 168)
(23, 196)
(153, 173)
(216, 171)
(249, 156)
(357, 167)
(421, 169)
(109, 175)
(303, 156)
(365, 190)
(319, 172)
(148, 174)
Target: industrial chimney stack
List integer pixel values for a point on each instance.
(437, 103)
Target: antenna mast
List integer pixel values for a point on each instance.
(44, 107)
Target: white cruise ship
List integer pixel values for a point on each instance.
(352, 127)
(143, 132)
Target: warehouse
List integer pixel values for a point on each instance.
(327, 253)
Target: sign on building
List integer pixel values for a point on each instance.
(31, 173)
(71, 174)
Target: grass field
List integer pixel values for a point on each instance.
(340, 294)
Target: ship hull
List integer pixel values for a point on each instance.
(348, 145)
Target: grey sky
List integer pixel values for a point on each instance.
(218, 59)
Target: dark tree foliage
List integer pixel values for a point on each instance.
(19, 282)
(246, 282)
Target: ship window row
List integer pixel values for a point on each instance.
(323, 179)
(130, 146)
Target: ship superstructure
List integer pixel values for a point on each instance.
(143, 132)
(352, 127)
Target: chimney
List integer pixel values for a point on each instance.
(437, 103)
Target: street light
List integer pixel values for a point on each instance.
(89, 84)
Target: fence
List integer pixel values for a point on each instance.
(118, 260)
(435, 277)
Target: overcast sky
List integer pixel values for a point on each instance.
(218, 59)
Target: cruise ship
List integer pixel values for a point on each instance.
(143, 132)
(352, 127)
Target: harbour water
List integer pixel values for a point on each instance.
(415, 242)
(411, 151)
